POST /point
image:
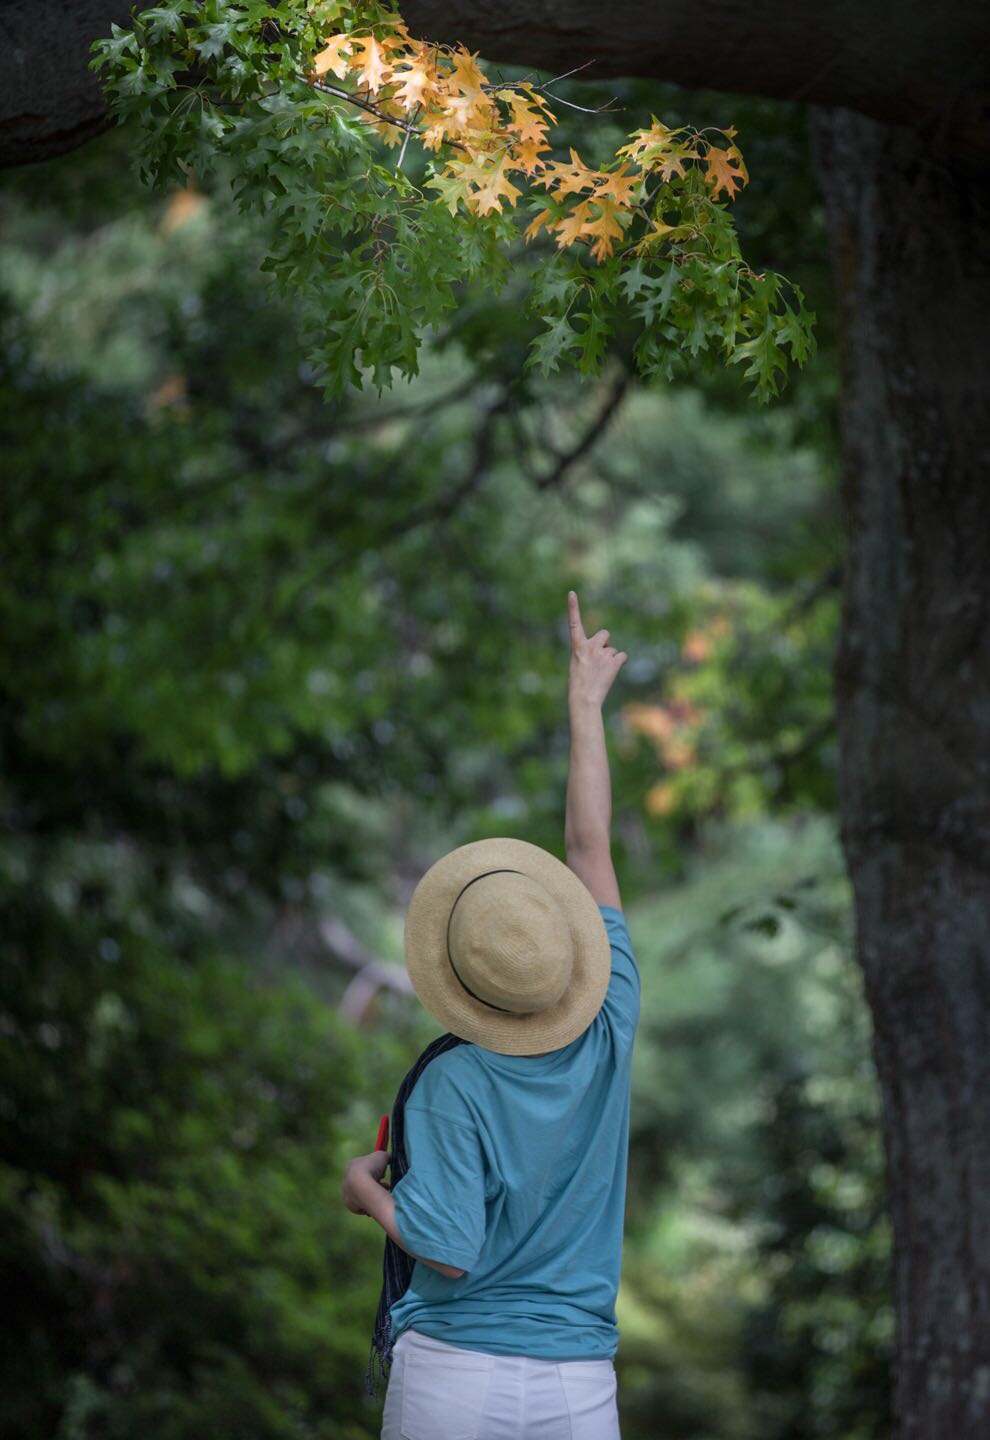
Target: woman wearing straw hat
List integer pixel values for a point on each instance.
(510, 1133)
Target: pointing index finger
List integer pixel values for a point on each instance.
(574, 617)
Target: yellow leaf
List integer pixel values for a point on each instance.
(719, 170)
(526, 157)
(435, 130)
(333, 57)
(527, 122)
(656, 138)
(654, 721)
(391, 134)
(493, 186)
(460, 113)
(570, 179)
(466, 75)
(668, 165)
(620, 184)
(605, 227)
(372, 63)
(418, 83)
(568, 229)
(537, 224)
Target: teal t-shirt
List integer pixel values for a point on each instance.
(517, 1175)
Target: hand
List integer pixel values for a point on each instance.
(594, 663)
(358, 1172)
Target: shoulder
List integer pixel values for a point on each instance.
(616, 928)
(447, 1080)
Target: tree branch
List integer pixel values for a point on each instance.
(590, 436)
(831, 53)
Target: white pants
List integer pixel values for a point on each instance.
(438, 1391)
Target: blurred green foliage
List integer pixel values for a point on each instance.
(262, 661)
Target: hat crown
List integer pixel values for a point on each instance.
(509, 942)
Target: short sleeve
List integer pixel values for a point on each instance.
(622, 1000)
(440, 1200)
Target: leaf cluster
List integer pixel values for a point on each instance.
(242, 89)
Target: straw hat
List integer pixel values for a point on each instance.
(506, 947)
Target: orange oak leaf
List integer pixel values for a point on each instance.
(654, 721)
(334, 57)
(371, 62)
(670, 163)
(661, 798)
(526, 157)
(417, 83)
(569, 179)
(392, 134)
(466, 74)
(466, 101)
(537, 224)
(725, 170)
(620, 184)
(604, 227)
(526, 120)
(491, 182)
(697, 646)
(567, 230)
(656, 139)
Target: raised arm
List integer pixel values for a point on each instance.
(594, 665)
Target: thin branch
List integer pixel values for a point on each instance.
(590, 436)
(410, 129)
(401, 412)
(749, 642)
(445, 505)
(597, 110)
(352, 99)
(405, 141)
(372, 974)
(544, 86)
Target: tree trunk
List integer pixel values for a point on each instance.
(910, 234)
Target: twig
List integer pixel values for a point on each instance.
(352, 99)
(405, 142)
(594, 430)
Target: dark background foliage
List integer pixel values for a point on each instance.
(264, 659)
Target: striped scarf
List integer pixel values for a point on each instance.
(397, 1266)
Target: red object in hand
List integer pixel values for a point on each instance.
(382, 1142)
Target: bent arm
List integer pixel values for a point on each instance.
(378, 1203)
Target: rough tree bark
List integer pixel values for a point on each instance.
(910, 241)
(49, 101)
(905, 179)
(926, 66)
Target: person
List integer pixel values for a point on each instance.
(510, 1134)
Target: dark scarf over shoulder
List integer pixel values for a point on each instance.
(397, 1266)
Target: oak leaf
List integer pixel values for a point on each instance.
(334, 57)
(726, 170)
(526, 121)
(371, 63)
(656, 139)
(537, 224)
(570, 227)
(527, 157)
(619, 184)
(416, 84)
(569, 179)
(604, 227)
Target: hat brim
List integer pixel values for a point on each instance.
(443, 995)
